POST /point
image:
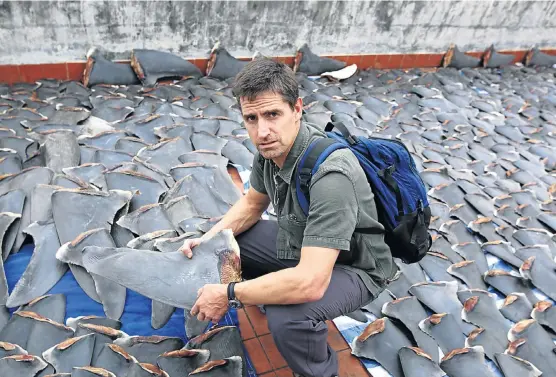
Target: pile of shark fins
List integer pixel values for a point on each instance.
(494, 59)
(100, 175)
(36, 342)
(147, 67)
(150, 66)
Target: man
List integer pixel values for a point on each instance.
(304, 270)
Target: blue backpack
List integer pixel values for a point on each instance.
(400, 194)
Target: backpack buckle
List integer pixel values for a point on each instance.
(351, 140)
(420, 205)
(304, 177)
(391, 169)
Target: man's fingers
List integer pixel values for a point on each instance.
(201, 317)
(186, 250)
(194, 310)
(188, 245)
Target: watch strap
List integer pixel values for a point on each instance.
(233, 302)
(231, 293)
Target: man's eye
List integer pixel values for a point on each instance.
(273, 114)
(250, 118)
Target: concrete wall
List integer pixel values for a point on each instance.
(58, 31)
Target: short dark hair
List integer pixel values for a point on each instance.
(262, 75)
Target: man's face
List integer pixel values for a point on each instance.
(272, 124)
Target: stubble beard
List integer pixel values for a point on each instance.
(274, 152)
(270, 154)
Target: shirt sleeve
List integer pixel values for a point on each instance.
(333, 212)
(256, 178)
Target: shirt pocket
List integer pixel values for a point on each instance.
(290, 236)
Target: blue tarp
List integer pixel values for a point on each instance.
(136, 319)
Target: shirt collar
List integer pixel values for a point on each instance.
(300, 144)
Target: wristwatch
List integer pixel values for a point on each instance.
(233, 302)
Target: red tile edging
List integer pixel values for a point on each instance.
(74, 70)
(267, 360)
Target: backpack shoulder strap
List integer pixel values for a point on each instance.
(308, 165)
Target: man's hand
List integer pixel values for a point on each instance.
(212, 303)
(188, 245)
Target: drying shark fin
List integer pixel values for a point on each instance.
(457, 59)
(535, 57)
(493, 59)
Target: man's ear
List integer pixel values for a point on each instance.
(298, 108)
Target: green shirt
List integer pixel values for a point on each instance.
(341, 200)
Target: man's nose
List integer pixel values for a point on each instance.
(263, 129)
